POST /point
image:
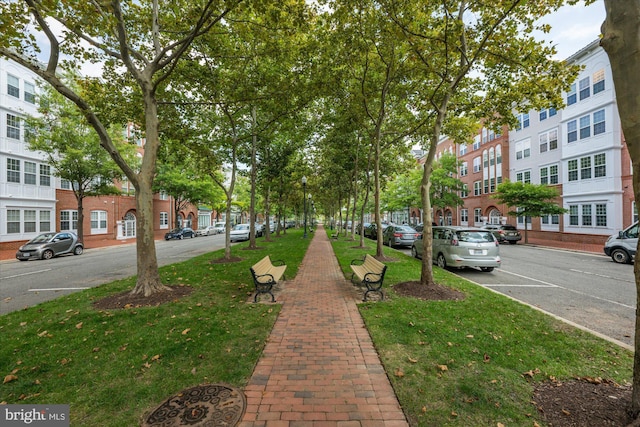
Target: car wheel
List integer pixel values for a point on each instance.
(620, 256)
(486, 269)
(414, 252)
(442, 263)
(48, 254)
(181, 237)
(78, 250)
(513, 242)
(192, 235)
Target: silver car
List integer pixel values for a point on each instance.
(239, 232)
(48, 245)
(462, 247)
(399, 235)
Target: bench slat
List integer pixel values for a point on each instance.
(370, 273)
(266, 275)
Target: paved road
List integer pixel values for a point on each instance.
(587, 289)
(28, 283)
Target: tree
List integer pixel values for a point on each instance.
(144, 39)
(71, 147)
(621, 41)
(476, 60)
(530, 200)
(445, 186)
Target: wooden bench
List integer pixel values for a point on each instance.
(266, 275)
(370, 272)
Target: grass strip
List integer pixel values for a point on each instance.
(474, 362)
(112, 366)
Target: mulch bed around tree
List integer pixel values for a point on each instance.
(127, 300)
(584, 402)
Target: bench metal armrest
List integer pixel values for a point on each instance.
(258, 276)
(357, 261)
(278, 263)
(367, 278)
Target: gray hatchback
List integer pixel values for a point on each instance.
(399, 235)
(462, 247)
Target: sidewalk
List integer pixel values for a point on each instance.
(319, 367)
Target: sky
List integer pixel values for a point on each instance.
(574, 27)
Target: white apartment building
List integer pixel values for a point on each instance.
(580, 149)
(27, 187)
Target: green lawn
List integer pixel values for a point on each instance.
(461, 363)
(112, 366)
(474, 362)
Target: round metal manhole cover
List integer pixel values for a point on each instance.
(208, 405)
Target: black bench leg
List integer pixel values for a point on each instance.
(264, 290)
(374, 289)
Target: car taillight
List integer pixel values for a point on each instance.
(501, 231)
(397, 234)
(497, 243)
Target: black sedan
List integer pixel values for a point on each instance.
(180, 233)
(48, 245)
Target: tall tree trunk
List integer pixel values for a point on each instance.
(621, 41)
(80, 200)
(252, 203)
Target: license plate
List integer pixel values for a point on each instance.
(477, 252)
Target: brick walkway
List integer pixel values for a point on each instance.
(319, 367)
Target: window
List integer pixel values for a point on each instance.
(523, 149)
(524, 176)
(29, 173)
(477, 188)
(585, 127)
(13, 86)
(164, 220)
(13, 126)
(572, 168)
(543, 115)
(13, 170)
(477, 215)
(552, 112)
(29, 93)
(164, 195)
(601, 215)
(464, 169)
(573, 215)
(598, 81)
(598, 122)
(550, 219)
(477, 164)
(65, 184)
(548, 140)
(476, 142)
(599, 165)
(523, 121)
(45, 175)
(585, 88)
(45, 221)
(13, 221)
(486, 186)
(585, 168)
(499, 155)
(586, 215)
(29, 221)
(572, 131)
(485, 159)
(464, 215)
(68, 220)
(98, 222)
(463, 149)
(464, 192)
(572, 96)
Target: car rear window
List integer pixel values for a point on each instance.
(508, 227)
(475, 236)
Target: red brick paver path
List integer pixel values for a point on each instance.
(319, 367)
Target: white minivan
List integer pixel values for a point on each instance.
(621, 247)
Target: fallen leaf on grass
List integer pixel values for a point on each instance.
(9, 378)
(443, 367)
(399, 373)
(79, 325)
(412, 360)
(156, 357)
(186, 331)
(43, 333)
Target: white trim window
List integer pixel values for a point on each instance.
(164, 220)
(13, 170)
(29, 220)
(524, 176)
(464, 216)
(477, 188)
(45, 175)
(477, 164)
(13, 126)
(477, 215)
(464, 168)
(98, 222)
(45, 221)
(548, 140)
(29, 173)
(523, 121)
(572, 95)
(68, 220)
(13, 86)
(29, 93)
(13, 221)
(588, 215)
(549, 175)
(523, 149)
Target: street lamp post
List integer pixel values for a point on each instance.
(304, 197)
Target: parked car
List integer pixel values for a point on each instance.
(621, 247)
(49, 245)
(259, 230)
(462, 247)
(180, 233)
(504, 233)
(399, 235)
(220, 227)
(364, 227)
(239, 232)
(208, 230)
(371, 231)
